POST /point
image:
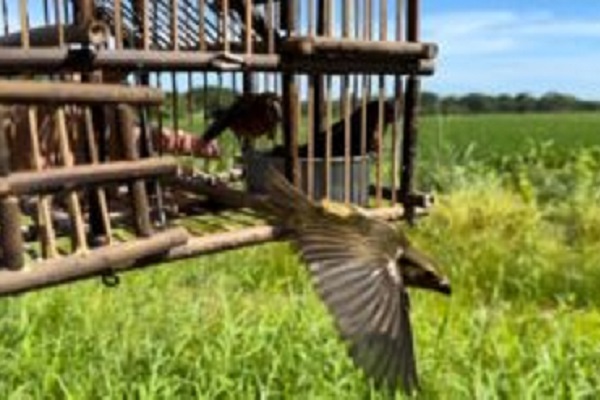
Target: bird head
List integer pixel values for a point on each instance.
(420, 271)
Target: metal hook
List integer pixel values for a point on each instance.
(110, 279)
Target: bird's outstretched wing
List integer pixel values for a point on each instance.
(362, 288)
(353, 263)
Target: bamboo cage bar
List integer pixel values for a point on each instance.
(68, 160)
(49, 60)
(225, 241)
(40, 92)
(137, 188)
(290, 103)
(11, 240)
(68, 178)
(350, 48)
(119, 257)
(410, 127)
(97, 196)
(44, 218)
(95, 33)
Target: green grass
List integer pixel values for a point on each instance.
(521, 243)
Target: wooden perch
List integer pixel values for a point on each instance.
(226, 241)
(69, 178)
(95, 33)
(238, 199)
(352, 48)
(51, 60)
(119, 257)
(38, 92)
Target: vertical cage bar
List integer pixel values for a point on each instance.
(5, 22)
(59, 22)
(174, 25)
(271, 25)
(78, 235)
(346, 11)
(202, 26)
(247, 76)
(137, 189)
(11, 240)
(290, 99)
(328, 100)
(398, 108)
(118, 24)
(410, 127)
(98, 207)
(225, 24)
(48, 237)
(24, 18)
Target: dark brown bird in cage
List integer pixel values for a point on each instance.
(338, 132)
(251, 116)
(361, 268)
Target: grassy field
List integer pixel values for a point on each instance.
(516, 227)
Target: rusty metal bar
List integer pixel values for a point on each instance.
(39, 92)
(119, 257)
(139, 196)
(70, 178)
(11, 240)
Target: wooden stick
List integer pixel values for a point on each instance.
(139, 196)
(118, 257)
(11, 240)
(225, 241)
(54, 35)
(78, 238)
(36, 92)
(69, 178)
(44, 218)
(41, 60)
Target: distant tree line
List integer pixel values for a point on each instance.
(479, 103)
(213, 98)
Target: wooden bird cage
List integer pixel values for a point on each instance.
(89, 88)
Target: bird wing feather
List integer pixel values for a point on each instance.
(357, 278)
(352, 259)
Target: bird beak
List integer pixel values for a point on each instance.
(444, 287)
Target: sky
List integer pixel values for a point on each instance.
(512, 46)
(498, 46)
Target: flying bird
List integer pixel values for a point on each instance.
(361, 268)
(251, 116)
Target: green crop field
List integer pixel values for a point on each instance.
(516, 227)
